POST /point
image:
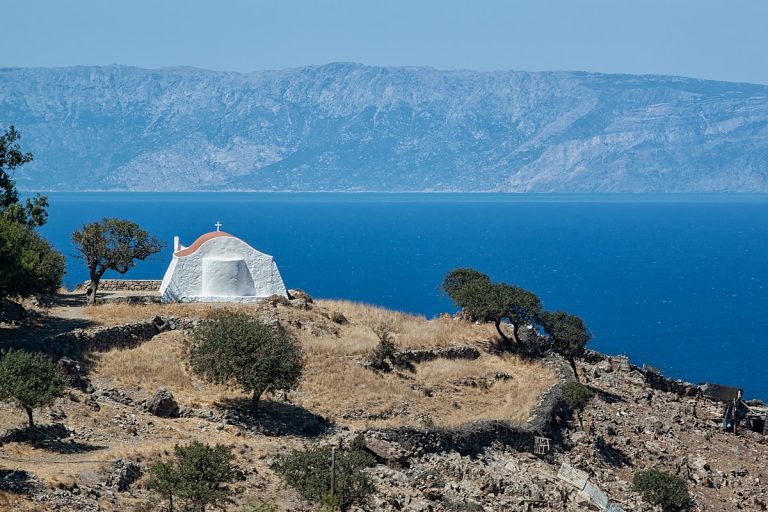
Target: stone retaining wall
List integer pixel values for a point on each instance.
(654, 379)
(470, 439)
(120, 336)
(430, 354)
(126, 285)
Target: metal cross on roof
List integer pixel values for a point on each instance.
(218, 226)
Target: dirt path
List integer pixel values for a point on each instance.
(66, 312)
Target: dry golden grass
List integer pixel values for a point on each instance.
(115, 314)
(440, 392)
(335, 385)
(160, 362)
(410, 331)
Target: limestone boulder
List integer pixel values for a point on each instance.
(163, 404)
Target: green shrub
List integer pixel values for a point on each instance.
(338, 318)
(662, 489)
(309, 472)
(568, 333)
(233, 348)
(196, 476)
(577, 395)
(386, 353)
(30, 380)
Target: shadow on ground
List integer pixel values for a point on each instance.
(17, 481)
(52, 438)
(274, 418)
(611, 454)
(33, 333)
(607, 396)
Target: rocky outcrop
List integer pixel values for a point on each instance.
(122, 474)
(162, 404)
(73, 373)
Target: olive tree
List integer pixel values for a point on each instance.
(522, 308)
(492, 302)
(112, 244)
(577, 396)
(29, 380)
(28, 263)
(456, 281)
(34, 212)
(569, 335)
(197, 476)
(233, 348)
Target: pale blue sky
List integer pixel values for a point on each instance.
(700, 38)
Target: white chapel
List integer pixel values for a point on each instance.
(219, 267)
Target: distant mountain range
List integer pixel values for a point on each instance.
(350, 127)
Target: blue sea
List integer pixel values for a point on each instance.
(676, 281)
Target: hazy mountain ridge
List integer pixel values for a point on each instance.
(354, 127)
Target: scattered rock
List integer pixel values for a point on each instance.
(116, 396)
(163, 404)
(386, 451)
(73, 373)
(122, 474)
(299, 294)
(11, 313)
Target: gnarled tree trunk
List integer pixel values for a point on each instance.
(29, 416)
(93, 287)
(516, 332)
(505, 341)
(573, 367)
(255, 399)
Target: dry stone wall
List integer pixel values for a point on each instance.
(126, 285)
(120, 336)
(652, 377)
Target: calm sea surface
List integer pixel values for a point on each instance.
(678, 282)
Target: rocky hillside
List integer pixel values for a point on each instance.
(459, 433)
(349, 127)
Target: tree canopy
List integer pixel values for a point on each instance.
(30, 380)
(309, 471)
(569, 335)
(28, 263)
(456, 281)
(197, 476)
(112, 244)
(34, 211)
(486, 301)
(233, 348)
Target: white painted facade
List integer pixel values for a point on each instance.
(219, 267)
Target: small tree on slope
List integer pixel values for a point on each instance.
(569, 335)
(492, 302)
(112, 244)
(233, 348)
(30, 380)
(197, 476)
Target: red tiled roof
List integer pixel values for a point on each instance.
(200, 241)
